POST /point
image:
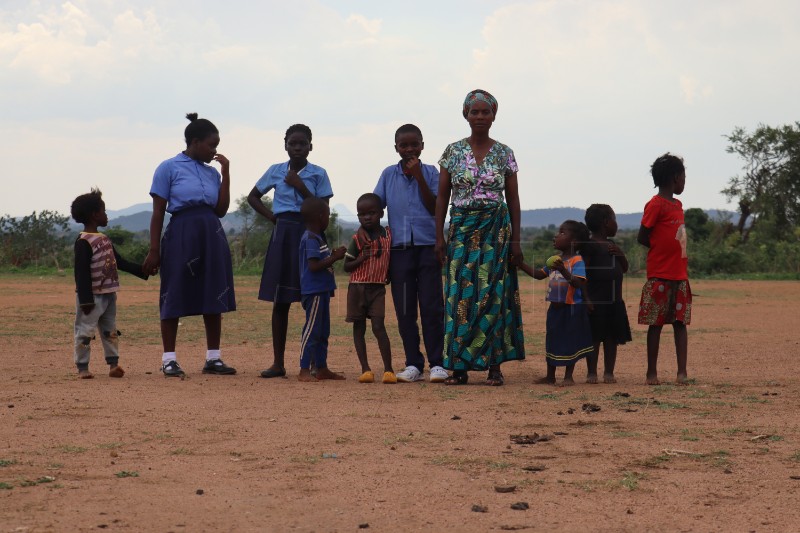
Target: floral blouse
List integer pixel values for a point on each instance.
(473, 184)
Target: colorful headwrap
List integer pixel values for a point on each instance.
(479, 95)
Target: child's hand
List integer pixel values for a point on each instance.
(151, 263)
(558, 264)
(412, 167)
(223, 162)
(87, 309)
(338, 253)
(293, 179)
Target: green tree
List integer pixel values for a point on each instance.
(34, 239)
(697, 225)
(768, 190)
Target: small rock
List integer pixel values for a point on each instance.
(363, 526)
(560, 433)
(148, 373)
(520, 506)
(590, 408)
(455, 417)
(11, 406)
(727, 471)
(794, 477)
(621, 395)
(114, 453)
(505, 489)
(392, 448)
(629, 511)
(102, 526)
(479, 508)
(199, 492)
(560, 413)
(570, 411)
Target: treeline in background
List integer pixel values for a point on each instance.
(761, 241)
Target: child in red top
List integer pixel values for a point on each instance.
(367, 261)
(666, 296)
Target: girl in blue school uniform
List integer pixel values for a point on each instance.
(293, 181)
(193, 255)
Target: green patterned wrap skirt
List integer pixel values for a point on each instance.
(483, 319)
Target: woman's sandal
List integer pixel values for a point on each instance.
(459, 377)
(495, 378)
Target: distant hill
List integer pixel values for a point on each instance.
(530, 218)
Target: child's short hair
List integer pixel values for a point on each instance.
(312, 207)
(407, 128)
(370, 196)
(665, 168)
(298, 128)
(596, 215)
(579, 232)
(198, 128)
(85, 205)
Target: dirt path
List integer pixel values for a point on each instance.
(241, 453)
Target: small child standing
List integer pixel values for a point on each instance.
(317, 285)
(96, 284)
(666, 296)
(569, 335)
(368, 265)
(605, 265)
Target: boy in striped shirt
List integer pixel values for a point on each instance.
(367, 261)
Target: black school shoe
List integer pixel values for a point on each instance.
(172, 370)
(216, 366)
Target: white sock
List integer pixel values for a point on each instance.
(167, 357)
(212, 354)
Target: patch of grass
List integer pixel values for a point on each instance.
(691, 434)
(342, 440)
(697, 393)
(208, 429)
(127, 473)
(655, 461)
(624, 434)
(664, 405)
(552, 395)
(110, 445)
(448, 393)
(38, 481)
(7, 462)
(181, 451)
(775, 438)
(6, 486)
(630, 480)
(55, 466)
(795, 456)
(735, 431)
(68, 448)
(754, 399)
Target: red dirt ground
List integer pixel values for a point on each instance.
(220, 453)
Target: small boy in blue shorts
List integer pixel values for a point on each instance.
(317, 285)
(96, 284)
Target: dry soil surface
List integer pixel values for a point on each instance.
(241, 453)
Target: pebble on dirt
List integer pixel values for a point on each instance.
(200, 492)
(520, 506)
(505, 489)
(479, 508)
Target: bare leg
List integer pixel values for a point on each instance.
(568, 381)
(550, 379)
(591, 364)
(169, 333)
(280, 325)
(385, 347)
(213, 325)
(681, 349)
(359, 332)
(653, 337)
(609, 360)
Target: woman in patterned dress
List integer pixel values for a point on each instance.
(483, 320)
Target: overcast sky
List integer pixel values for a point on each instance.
(93, 92)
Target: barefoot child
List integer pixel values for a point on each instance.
(666, 296)
(292, 181)
(368, 265)
(569, 335)
(97, 283)
(316, 287)
(605, 265)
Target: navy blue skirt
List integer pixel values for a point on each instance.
(280, 281)
(196, 270)
(569, 334)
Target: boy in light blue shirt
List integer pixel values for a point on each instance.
(407, 191)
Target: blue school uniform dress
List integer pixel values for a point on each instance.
(569, 334)
(414, 272)
(317, 289)
(280, 280)
(196, 270)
